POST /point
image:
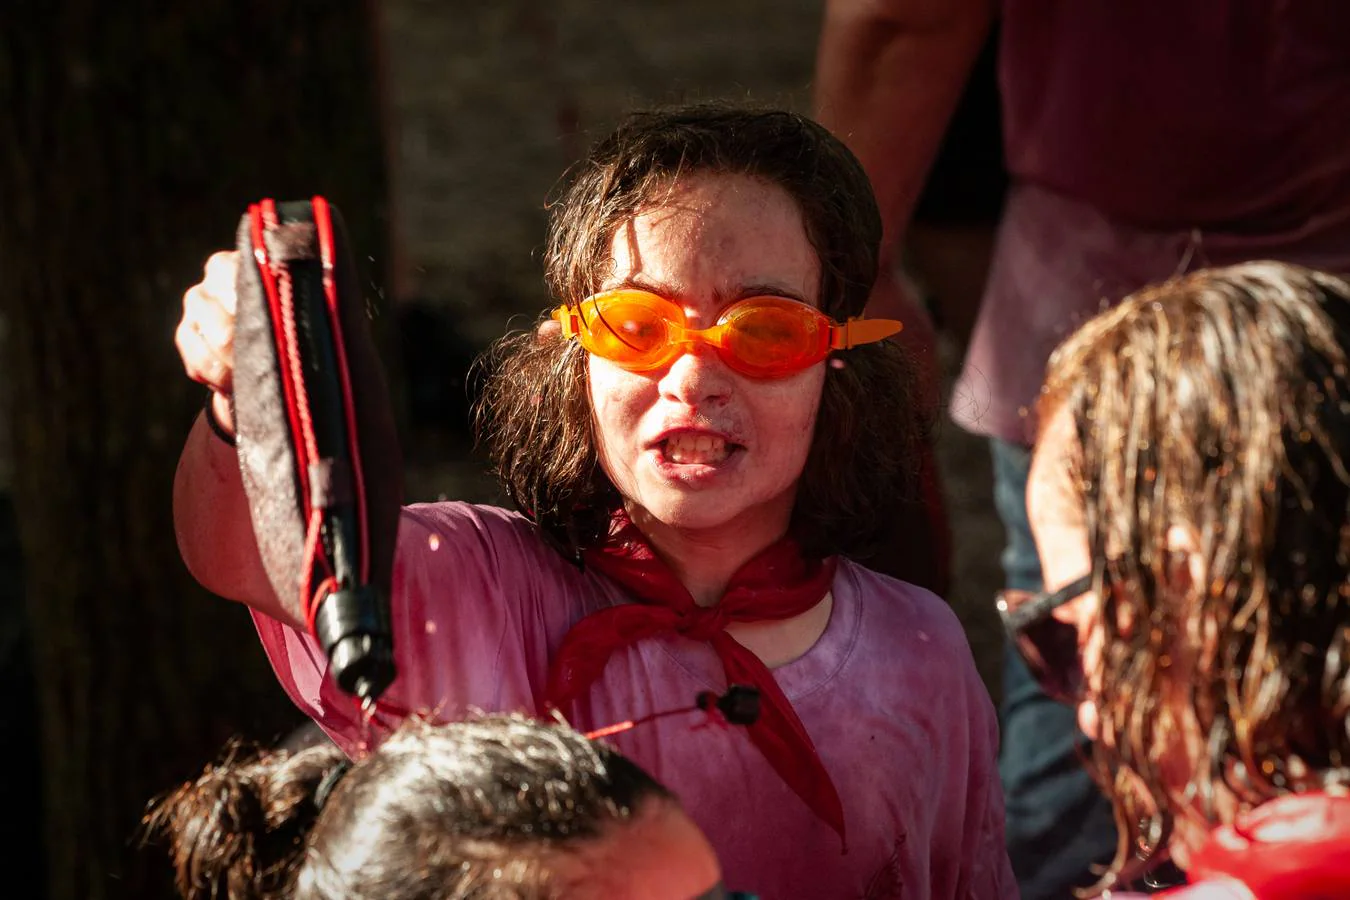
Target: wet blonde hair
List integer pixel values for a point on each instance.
(1219, 401)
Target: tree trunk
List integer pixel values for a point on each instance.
(139, 131)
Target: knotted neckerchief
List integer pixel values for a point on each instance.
(778, 583)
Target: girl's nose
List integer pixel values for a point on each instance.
(697, 377)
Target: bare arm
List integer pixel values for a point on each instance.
(889, 74)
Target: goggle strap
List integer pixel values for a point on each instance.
(862, 331)
(568, 319)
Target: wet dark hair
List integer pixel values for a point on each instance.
(535, 414)
(474, 809)
(1219, 401)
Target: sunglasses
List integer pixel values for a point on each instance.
(1048, 646)
(760, 337)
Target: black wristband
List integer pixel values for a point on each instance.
(211, 420)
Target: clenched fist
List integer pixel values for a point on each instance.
(205, 335)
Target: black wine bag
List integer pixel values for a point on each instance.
(316, 437)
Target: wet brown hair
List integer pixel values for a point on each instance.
(1219, 401)
(438, 812)
(535, 413)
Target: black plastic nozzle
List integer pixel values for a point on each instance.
(353, 627)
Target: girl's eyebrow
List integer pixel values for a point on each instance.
(768, 290)
(638, 283)
(758, 289)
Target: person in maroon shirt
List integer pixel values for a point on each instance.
(1141, 140)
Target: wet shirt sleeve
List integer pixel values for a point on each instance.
(463, 617)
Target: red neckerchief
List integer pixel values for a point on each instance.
(779, 583)
(1292, 847)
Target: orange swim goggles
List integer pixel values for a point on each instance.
(762, 337)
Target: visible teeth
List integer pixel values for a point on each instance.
(696, 449)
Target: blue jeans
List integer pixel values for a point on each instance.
(1058, 824)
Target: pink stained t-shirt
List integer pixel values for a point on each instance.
(889, 695)
(1058, 262)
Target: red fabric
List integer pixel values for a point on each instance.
(1173, 116)
(779, 583)
(1294, 847)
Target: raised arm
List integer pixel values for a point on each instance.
(889, 74)
(210, 509)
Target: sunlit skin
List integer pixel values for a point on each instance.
(1058, 525)
(658, 854)
(711, 506)
(1056, 515)
(205, 335)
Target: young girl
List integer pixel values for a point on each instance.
(1190, 499)
(696, 449)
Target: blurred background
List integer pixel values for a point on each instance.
(136, 135)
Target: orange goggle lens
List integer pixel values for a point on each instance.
(761, 337)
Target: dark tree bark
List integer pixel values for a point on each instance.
(136, 134)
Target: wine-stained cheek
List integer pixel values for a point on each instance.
(696, 445)
(740, 452)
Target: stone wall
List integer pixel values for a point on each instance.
(490, 103)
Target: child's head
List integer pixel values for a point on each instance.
(1193, 457)
(633, 169)
(702, 207)
(500, 806)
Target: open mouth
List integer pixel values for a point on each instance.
(696, 449)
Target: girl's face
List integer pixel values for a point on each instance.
(657, 853)
(696, 446)
(1055, 512)
(1058, 523)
